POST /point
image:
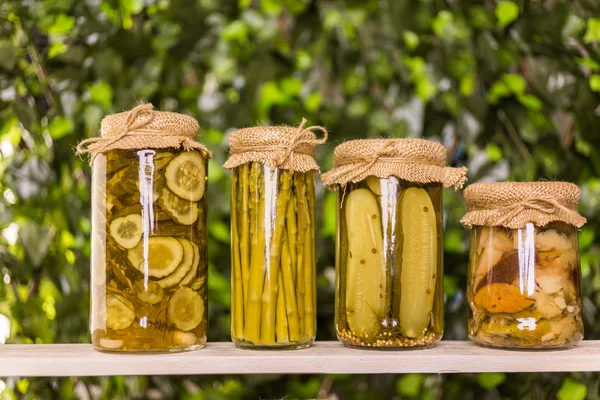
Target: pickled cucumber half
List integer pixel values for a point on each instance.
(185, 309)
(119, 312)
(127, 230)
(183, 268)
(366, 271)
(164, 256)
(185, 175)
(182, 211)
(419, 261)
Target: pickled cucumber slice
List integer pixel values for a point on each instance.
(197, 283)
(151, 292)
(119, 312)
(164, 256)
(127, 231)
(186, 174)
(185, 309)
(161, 159)
(182, 211)
(183, 268)
(419, 261)
(366, 272)
(192, 272)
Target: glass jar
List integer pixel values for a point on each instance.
(389, 248)
(273, 257)
(149, 250)
(524, 287)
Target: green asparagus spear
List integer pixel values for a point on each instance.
(270, 291)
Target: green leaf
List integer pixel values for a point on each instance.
(467, 85)
(272, 7)
(498, 91)
(313, 102)
(62, 25)
(490, 380)
(442, 23)
(515, 83)
(530, 101)
(494, 152)
(237, 31)
(592, 34)
(506, 12)
(60, 127)
(410, 385)
(56, 49)
(586, 238)
(291, 86)
(453, 241)
(411, 40)
(572, 390)
(101, 93)
(219, 231)
(132, 6)
(36, 241)
(588, 62)
(450, 285)
(595, 83)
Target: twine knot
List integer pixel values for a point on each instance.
(143, 127)
(303, 136)
(547, 206)
(414, 160)
(276, 146)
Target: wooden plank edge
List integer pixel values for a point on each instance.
(323, 358)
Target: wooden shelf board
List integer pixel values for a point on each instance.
(321, 358)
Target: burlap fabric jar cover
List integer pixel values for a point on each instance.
(149, 240)
(389, 275)
(524, 285)
(273, 243)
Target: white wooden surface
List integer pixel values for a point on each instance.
(323, 357)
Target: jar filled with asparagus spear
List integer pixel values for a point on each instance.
(273, 260)
(389, 274)
(149, 240)
(524, 285)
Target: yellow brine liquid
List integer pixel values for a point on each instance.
(273, 257)
(389, 291)
(524, 287)
(149, 260)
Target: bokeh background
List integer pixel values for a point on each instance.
(511, 88)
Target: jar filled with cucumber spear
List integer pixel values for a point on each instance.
(389, 247)
(149, 240)
(273, 261)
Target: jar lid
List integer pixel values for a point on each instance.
(514, 204)
(143, 128)
(413, 160)
(285, 147)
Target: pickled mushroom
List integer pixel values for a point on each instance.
(551, 240)
(502, 298)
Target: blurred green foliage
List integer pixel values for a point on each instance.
(511, 88)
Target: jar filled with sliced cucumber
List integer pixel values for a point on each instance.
(149, 245)
(273, 277)
(524, 281)
(389, 247)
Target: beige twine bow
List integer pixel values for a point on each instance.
(381, 155)
(132, 128)
(303, 136)
(549, 206)
(386, 154)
